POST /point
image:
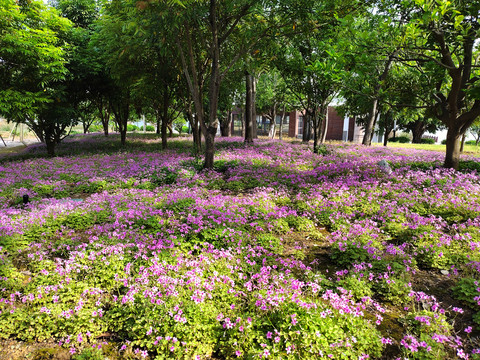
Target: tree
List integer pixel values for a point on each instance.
(475, 131)
(33, 53)
(442, 36)
(272, 96)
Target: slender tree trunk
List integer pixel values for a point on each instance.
(166, 102)
(226, 125)
(316, 136)
(248, 108)
(254, 113)
(324, 124)
(282, 119)
(273, 116)
(370, 125)
(104, 112)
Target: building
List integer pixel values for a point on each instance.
(339, 128)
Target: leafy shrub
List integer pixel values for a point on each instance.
(150, 128)
(164, 176)
(444, 142)
(131, 127)
(466, 290)
(470, 142)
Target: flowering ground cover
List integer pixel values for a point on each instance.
(278, 253)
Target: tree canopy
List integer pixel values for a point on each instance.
(413, 63)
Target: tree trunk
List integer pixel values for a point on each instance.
(226, 125)
(272, 117)
(316, 136)
(282, 118)
(462, 143)
(254, 113)
(209, 147)
(164, 133)
(452, 156)
(104, 112)
(49, 141)
(248, 108)
(370, 125)
(159, 122)
(272, 129)
(306, 128)
(418, 128)
(324, 125)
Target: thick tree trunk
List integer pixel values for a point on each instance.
(123, 136)
(49, 141)
(306, 128)
(105, 128)
(418, 129)
(164, 133)
(452, 156)
(209, 147)
(248, 108)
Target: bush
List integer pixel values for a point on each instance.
(131, 127)
(400, 139)
(444, 142)
(471, 142)
(427, 141)
(150, 128)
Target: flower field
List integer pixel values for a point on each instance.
(278, 253)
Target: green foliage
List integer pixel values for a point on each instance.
(427, 141)
(270, 241)
(469, 165)
(89, 354)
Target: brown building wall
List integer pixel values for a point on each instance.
(293, 124)
(351, 128)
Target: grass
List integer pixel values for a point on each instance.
(433, 147)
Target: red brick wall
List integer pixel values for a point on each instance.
(335, 125)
